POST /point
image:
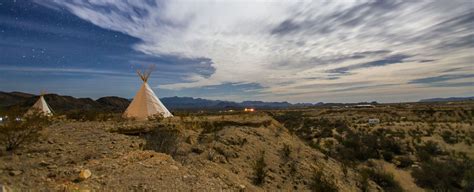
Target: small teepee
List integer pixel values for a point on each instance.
(145, 103)
(40, 106)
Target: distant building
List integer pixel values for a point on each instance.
(364, 106)
(249, 109)
(374, 121)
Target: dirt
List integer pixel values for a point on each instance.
(115, 161)
(222, 160)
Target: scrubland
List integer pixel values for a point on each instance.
(415, 147)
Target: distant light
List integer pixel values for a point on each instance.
(249, 109)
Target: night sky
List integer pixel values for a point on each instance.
(334, 51)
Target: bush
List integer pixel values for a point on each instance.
(286, 153)
(449, 137)
(163, 140)
(387, 156)
(17, 131)
(321, 183)
(216, 126)
(383, 179)
(89, 115)
(260, 170)
(444, 175)
(427, 150)
(404, 162)
(156, 118)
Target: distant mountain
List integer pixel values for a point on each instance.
(114, 103)
(187, 102)
(198, 103)
(61, 103)
(449, 99)
(12, 98)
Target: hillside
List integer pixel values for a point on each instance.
(414, 147)
(12, 98)
(449, 99)
(171, 156)
(114, 103)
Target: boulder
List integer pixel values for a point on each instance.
(85, 174)
(15, 173)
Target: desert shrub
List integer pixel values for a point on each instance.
(387, 156)
(163, 140)
(16, 131)
(293, 165)
(449, 137)
(404, 162)
(427, 150)
(260, 170)
(285, 152)
(89, 115)
(215, 126)
(358, 147)
(468, 141)
(321, 183)
(390, 145)
(383, 179)
(291, 120)
(449, 175)
(156, 118)
(363, 183)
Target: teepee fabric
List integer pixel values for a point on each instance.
(40, 106)
(145, 103)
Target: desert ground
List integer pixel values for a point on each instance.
(413, 147)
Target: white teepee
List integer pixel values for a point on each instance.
(145, 103)
(40, 106)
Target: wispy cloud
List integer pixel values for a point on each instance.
(297, 47)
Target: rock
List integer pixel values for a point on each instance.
(197, 149)
(174, 167)
(4, 188)
(52, 166)
(44, 164)
(85, 174)
(191, 140)
(51, 175)
(242, 187)
(15, 173)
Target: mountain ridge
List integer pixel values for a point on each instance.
(62, 103)
(447, 99)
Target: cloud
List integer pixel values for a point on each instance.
(442, 78)
(294, 48)
(378, 63)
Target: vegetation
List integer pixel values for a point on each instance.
(163, 140)
(286, 153)
(406, 138)
(447, 175)
(16, 130)
(383, 179)
(321, 183)
(260, 170)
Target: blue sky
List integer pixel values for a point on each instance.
(297, 51)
